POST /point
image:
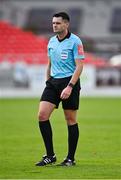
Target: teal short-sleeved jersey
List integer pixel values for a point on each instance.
(63, 53)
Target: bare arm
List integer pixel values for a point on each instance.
(48, 69)
(77, 72)
(67, 91)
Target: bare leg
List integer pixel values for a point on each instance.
(45, 110)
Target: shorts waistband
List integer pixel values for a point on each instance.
(61, 78)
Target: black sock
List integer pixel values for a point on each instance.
(46, 131)
(73, 135)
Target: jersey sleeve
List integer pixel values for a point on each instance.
(48, 50)
(78, 50)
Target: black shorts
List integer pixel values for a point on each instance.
(53, 91)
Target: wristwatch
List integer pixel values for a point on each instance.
(71, 85)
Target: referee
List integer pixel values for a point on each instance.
(65, 64)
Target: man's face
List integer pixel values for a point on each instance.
(59, 25)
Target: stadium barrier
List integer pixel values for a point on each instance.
(22, 80)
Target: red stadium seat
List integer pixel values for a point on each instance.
(16, 43)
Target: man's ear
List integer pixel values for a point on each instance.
(67, 23)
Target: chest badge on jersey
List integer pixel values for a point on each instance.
(64, 55)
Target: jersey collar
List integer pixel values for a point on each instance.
(66, 37)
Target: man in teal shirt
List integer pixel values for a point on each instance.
(65, 64)
(63, 54)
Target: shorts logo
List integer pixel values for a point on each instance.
(64, 55)
(80, 50)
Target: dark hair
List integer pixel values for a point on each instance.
(64, 16)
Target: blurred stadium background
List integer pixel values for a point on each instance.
(25, 27)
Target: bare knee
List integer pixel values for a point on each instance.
(45, 110)
(42, 116)
(70, 120)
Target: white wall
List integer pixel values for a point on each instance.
(37, 84)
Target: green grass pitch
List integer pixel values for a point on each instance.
(98, 154)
